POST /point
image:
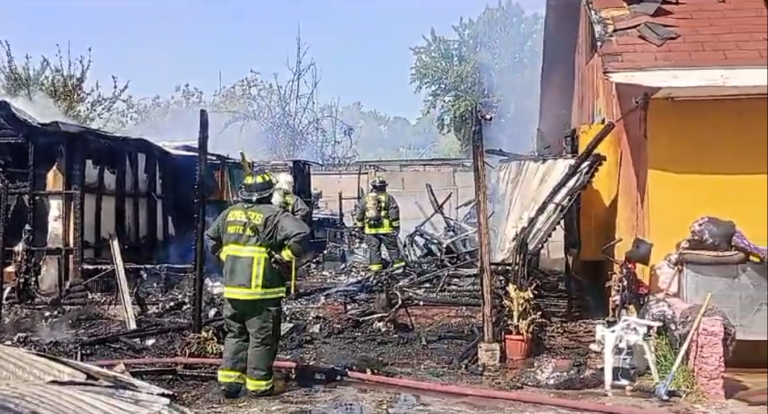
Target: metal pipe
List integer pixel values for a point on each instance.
(202, 161)
(517, 396)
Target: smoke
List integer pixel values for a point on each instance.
(509, 61)
(40, 108)
(182, 124)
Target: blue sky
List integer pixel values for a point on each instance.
(360, 46)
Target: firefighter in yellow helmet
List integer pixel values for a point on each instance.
(379, 218)
(252, 237)
(284, 198)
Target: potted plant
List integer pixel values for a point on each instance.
(521, 319)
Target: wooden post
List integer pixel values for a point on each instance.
(202, 165)
(483, 234)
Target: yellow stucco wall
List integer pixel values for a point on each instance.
(597, 219)
(707, 157)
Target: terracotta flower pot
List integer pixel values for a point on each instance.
(516, 347)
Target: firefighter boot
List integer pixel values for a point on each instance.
(277, 389)
(231, 391)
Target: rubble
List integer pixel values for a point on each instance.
(420, 321)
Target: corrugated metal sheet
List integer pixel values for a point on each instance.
(26, 398)
(18, 365)
(32, 383)
(524, 186)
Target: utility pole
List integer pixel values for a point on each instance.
(202, 166)
(488, 351)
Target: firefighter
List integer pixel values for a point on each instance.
(254, 239)
(283, 197)
(379, 219)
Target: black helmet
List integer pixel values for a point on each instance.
(379, 184)
(257, 186)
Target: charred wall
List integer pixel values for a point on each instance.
(74, 186)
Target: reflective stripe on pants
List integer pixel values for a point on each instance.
(253, 335)
(258, 385)
(226, 376)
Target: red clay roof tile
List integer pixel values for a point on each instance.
(712, 33)
(607, 4)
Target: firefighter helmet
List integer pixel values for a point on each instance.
(379, 184)
(257, 186)
(284, 182)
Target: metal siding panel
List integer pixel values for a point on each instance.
(523, 186)
(18, 365)
(24, 398)
(38, 384)
(740, 291)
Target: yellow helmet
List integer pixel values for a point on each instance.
(257, 185)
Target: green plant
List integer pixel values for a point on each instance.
(684, 381)
(521, 316)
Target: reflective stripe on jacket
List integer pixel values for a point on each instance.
(245, 237)
(240, 283)
(388, 211)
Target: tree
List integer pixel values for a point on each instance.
(268, 119)
(64, 80)
(493, 62)
(291, 117)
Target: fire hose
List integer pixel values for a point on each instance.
(464, 391)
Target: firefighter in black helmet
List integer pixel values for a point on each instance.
(379, 218)
(251, 238)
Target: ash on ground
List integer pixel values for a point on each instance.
(423, 322)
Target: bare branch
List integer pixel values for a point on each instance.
(292, 118)
(64, 80)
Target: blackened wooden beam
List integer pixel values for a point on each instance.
(166, 178)
(31, 180)
(98, 206)
(133, 159)
(150, 164)
(78, 207)
(67, 152)
(3, 215)
(120, 194)
(202, 163)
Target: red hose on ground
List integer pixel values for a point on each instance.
(518, 396)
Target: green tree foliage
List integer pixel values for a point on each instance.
(64, 79)
(492, 61)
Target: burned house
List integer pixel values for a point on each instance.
(220, 181)
(71, 187)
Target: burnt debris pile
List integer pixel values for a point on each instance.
(423, 317)
(427, 314)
